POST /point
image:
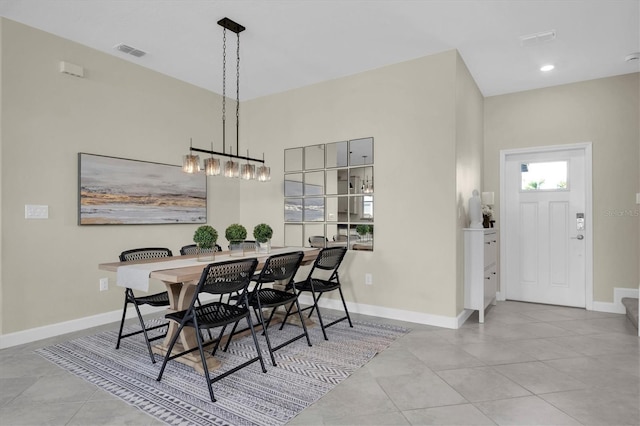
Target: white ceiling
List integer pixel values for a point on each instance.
(294, 43)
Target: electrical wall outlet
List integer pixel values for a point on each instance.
(368, 279)
(104, 284)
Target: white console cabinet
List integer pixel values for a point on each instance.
(480, 268)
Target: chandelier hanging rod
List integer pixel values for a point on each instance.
(241, 157)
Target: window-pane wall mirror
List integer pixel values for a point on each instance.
(293, 160)
(336, 154)
(314, 157)
(329, 195)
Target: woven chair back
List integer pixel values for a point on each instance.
(144, 253)
(193, 249)
(281, 267)
(330, 258)
(227, 277)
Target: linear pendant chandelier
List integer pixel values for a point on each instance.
(212, 165)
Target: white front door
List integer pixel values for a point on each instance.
(544, 225)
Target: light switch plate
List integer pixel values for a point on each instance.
(33, 211)
(638, 198)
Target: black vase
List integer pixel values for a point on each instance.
(486, 221)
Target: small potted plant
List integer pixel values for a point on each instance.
(487, 216)
(236, 234)
(263, 233)
(364, 231)
(205, 237)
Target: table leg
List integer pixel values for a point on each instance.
(180, 296)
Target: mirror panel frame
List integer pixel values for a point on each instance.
(336, 154)
(329, 192)
(314, 157)
(293, 160)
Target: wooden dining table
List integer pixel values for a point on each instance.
(181, 283)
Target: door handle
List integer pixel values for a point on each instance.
(578, 237)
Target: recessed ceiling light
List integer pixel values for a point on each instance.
(547, 68)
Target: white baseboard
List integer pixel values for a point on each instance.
(390, 313)
(38, 333)
(44, 332)
(616, 307)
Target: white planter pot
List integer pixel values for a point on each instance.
(236, 248)
(264, 248)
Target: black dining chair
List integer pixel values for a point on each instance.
(279, 268)
(318, 241)
(193, 249)
(222, 278)
(158, 299)
(327, 262)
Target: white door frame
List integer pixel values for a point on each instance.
(587, 149)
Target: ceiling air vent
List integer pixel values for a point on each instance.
(537, 38)
(130, 50)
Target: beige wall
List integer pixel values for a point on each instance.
(50, 273)
(469, 153)
(604, 112)
(49, 267)
(409, 109)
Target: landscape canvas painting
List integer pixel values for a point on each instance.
(118, 191)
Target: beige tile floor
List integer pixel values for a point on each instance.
(528, 364)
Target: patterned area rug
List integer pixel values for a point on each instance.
(248, 397)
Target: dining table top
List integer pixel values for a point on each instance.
(192, 273)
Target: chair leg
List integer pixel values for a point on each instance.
(266, 336)
(304, 327)
(255, 341)
(205, 367)
(124, 315)
(288, 312)
(208, 331)
(169, 350)
(144, 331)
(346, 311)
(273, 312)
(255, 312)
(217, 344)
(233, 331)
(315, 305)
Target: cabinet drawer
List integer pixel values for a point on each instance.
(490, 284)
(490, 249)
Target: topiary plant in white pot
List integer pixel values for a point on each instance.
(263, 233)
(236, 234)
(205, 237)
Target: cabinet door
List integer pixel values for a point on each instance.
(490, 249)
(490, 284)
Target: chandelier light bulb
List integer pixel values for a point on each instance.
(264, 174)
(212, 166)
(190, 163)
